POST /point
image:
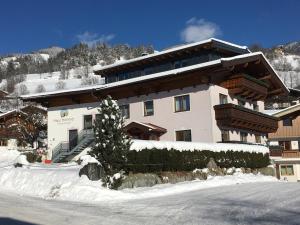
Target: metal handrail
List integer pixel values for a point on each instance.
(63, 147)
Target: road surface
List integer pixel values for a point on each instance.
(255, 203)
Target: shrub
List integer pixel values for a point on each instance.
(158, 160)
(33, 157)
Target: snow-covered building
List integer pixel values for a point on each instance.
(209, 91)
(285, 143)
(14, 124)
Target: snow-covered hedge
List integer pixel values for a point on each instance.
(155, 160)
(191, 146)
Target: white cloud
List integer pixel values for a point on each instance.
(199, 29)
(92, 38)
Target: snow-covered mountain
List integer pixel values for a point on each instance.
(286, 61)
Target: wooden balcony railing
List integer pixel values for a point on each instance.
(246, 87)
(291, 154)
(234, 116)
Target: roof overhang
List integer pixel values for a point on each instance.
(254, 64)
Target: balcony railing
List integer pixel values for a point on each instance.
(291, 154)
(234, 116)
(246, 86)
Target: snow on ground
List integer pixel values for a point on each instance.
(181, 146)
(8, 157)
(63, 182)
(268, 203)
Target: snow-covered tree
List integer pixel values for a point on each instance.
(60, 85)
(111, 142)
(40, 88)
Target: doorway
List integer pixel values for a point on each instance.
(73, 139)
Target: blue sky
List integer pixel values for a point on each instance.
(34, 24)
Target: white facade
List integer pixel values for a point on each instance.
(200, 119)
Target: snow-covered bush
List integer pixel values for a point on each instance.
(90, 80)
(111, 142)
(40, 88)
(22, 89)
(60, 85)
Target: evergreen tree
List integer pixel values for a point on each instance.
(112, 144)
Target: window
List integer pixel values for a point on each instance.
(182, 103)
(125, 111)
(287, 122)
(243, 136)
(241, 103)
(183, 135)
(223, 99)
(148, 108)
(225, 135)
(3, 142)
(255, 107)
(286, 170)
(257, 139)
(87, 122)
(286, 145)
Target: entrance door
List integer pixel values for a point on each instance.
(73, 139)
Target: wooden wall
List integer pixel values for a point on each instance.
(287, 131)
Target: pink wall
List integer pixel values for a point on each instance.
(198, 119)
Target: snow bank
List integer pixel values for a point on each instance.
(62, 182)
(8, 156)
(191, 146)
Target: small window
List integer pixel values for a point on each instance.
(258, 139)
(223, 99)
(255, 107)
(3, 142)
(225, 135)
(125, 111)
(182, 103)
(243, 136)
(241, 103)
(287, 122)
(287, 170)
(183, 135)
(148, 108)
(87, 122)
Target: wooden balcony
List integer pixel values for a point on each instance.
(234, 116)
(246, 86)
(290, 154)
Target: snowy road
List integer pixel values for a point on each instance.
(255, 203)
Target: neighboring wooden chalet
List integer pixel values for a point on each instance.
(285, 143)
(11, 123)
(209, 91)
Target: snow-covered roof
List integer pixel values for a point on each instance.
(169, 50)
(287, 111)
(154, 76)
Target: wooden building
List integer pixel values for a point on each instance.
(11, 124)
(285, 143)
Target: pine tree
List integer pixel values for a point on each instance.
(112, 144)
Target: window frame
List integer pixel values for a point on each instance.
(145, 110)
(222, 97)
(186, 130)
(258, 139)
(242, 136)
(84, 122)
(181, 97)
(225, 132)
(285, 166)
(289, 120)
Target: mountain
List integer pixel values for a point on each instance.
(286, 61)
